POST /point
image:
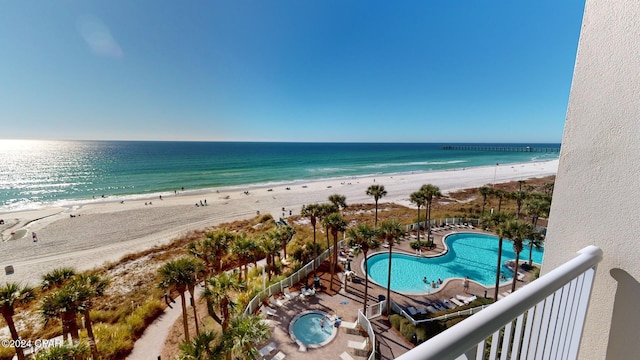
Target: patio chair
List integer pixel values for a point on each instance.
(279, 356)
(267, 349)
(345, 356)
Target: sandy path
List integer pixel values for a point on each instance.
(105, 229)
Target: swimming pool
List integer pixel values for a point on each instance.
(469, 254)
(310, 330)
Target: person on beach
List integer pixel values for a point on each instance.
(465, 284)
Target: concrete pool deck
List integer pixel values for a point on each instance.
(346, 304)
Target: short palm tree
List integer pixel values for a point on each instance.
(364, 238)
(420, 200)
(536, 240)
(57, 277)
(181, 275)
(430, 192)
(218, 293)
(519, 196)
(339, 201)
(244, 334)
(93, 286)
(242, 248)
(484, 191)
(335, 223)
(12, 296)
(517, 231)
(270, 244)
(201, 348)
(212, 249)
(285, 234)
(326, 210)
(391, 231)
(313, 211)
(65, 302)
(501, 195)
(537, 208)
(378, 192)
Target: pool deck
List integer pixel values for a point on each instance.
(346, 304)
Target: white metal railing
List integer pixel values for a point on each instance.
(289, 281)
(366, 325)
(376, 309)
(542, 320)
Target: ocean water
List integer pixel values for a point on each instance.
(37, 173)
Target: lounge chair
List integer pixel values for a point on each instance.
(438, 306)
(269, 311)
(456, 301)
(448, 304)
(279, 356)
(279, 302)
(267, 349)
(345, 356)
(466, 299)
(412, 311)
(289, 295)
(358, 345)
(431, 309)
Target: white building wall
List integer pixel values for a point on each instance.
(597, 193)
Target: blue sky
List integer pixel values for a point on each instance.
(410, 71)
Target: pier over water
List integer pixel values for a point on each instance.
(501, 148)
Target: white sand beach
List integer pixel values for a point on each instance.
(106, 229)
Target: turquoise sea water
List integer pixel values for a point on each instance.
(37, 173)
(470, 254)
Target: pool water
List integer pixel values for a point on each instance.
(307, 328)
(469, 254)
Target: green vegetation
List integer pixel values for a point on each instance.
(118, 301)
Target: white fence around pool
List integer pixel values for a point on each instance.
(294, 278)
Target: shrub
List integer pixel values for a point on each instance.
(449, 323)
(395, 320)
(142, 316)
(114, 341)
(7, 352)
(408, 330)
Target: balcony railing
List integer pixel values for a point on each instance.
(542, 320)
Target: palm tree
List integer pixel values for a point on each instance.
(536, 208)
(484, 191)
(419, 199)
(430, 191)
(212, 249)
(242, 248)
(325, 211)
(364, 238)
(244, 334)
(534, 241)
(517, 231)
(218, 293)
(391, 231)
(65, 302)
(339, 201)
(201, 348)
(497, 223)
(270, 244)
(13, 295)
(181, 275)
(285, 234)
(501, 195)
(93, 286)
(312, 212)
(335, 223)
(378, 192)
(519, 196)
(57, 277)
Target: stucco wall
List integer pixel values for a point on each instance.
(597, 193)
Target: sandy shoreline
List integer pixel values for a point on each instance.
(106, 231)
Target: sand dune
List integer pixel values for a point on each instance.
(105, 229)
